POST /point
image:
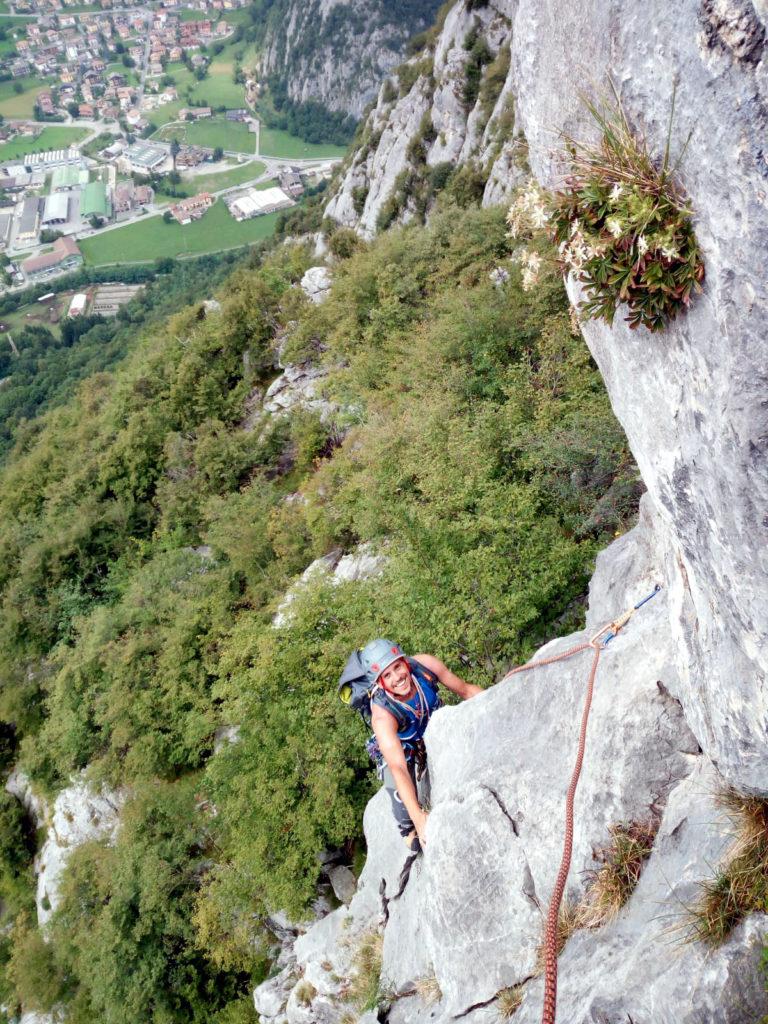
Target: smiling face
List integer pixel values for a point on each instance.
(396, 678)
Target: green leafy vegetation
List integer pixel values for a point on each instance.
(52, 361)
(150, 532)
(624, 227)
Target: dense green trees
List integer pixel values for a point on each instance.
(149, 535)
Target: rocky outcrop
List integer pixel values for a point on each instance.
(436, 121)
(681, 705)
(360, 564)
(79, 815)
(691, 399)
(337, 53)
(471, 915)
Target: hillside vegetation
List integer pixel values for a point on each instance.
(149, 537)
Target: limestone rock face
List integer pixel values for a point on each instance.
(384, 167)
(471, 915)
(79, 815)
(692, 398)
(337, 53)
(357, 565)
(681, 702)
(316, 282)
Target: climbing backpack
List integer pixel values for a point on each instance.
(355, 690)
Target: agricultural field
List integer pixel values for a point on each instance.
(22, 104)
(236, 175)
(151, 238)
(275, 142)
(236, 138)
(53, 137)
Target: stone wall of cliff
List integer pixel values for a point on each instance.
(336, 52)
(681, 700)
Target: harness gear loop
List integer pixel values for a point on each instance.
(597, 643)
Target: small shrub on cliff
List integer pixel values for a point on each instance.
(621, 863)
(740, 885)
(622, 226)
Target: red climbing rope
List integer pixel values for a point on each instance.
(597, 643)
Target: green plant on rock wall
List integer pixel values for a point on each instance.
(622, 225)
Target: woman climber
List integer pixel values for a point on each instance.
(403, 696)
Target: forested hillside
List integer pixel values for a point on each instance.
(150, 530)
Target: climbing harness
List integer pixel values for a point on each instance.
(598, 643)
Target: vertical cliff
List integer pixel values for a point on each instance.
(336, 52)
(681, 705)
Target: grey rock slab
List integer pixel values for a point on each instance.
(270, 997)
(640, 966)
(343, 882)
(316, 283)
(325, 982)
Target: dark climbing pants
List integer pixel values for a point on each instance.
(402, 817)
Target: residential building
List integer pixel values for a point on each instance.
(194, 113)
(193, 208)
(291, 183)
(65, 256)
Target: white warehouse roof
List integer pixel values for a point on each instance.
(56, 207)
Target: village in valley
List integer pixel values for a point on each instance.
(133, 133)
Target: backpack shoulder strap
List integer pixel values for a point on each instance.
(379, 696)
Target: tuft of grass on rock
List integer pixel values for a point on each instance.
(508, 1001)
(365, 989)
(614, 881)
(305, 992)
(740, 885)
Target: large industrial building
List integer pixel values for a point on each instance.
(254, 203)
(143, 158)
(56, 209)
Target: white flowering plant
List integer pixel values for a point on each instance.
(622, 225)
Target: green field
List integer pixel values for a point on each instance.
(235, 138)
(55, 137)
(23, 103)
(275, 142)
(187, 15)
(152, 238)
(218, 89)
(239, 17)
(214, 182)
(211, 132)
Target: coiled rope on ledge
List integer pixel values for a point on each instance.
(598, 643)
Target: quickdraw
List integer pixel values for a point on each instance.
(598, 643)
